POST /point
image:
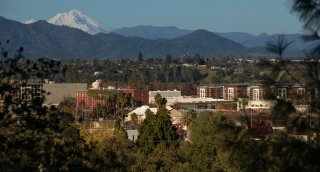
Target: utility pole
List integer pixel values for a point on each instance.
(310, 116)
(251, 117)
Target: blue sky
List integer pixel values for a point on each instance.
(251, 16)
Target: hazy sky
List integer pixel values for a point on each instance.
(251, 16)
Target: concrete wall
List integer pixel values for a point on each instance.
(60, 90)
(133, 134)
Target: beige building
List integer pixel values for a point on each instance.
(60, 90)
(246, 103)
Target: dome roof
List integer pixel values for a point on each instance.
(96, 85)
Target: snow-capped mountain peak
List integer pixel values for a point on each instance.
(77, 19)
(29, 21)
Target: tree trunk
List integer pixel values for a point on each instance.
(188, 135)
(122, 115)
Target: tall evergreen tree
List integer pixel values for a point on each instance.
(140, 58)
(72, 75)
(168, 59)
(156, 130)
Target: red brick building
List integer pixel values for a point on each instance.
(215, 92)
(141, 97)
(234, 92)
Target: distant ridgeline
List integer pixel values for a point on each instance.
(41, 39)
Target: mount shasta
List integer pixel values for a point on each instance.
(77, 19)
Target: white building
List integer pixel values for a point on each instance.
(142, 110)
(187, 99)
(166, 94)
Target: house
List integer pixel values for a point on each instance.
(202, 66)
(176, 116)
(141, 112)
(97, 73)
(224, 68)
(187, 64)
(215, 67)
(239, 70)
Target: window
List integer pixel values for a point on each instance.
(282, 92)
(230, 94)
(245, 91)
(256, 95)
(239, 104)
(141, 99)
(300, 91)
(141, 94)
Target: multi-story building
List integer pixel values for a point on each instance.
(296, 93)
(233, 92)
(59, 91)
(31, 89)
(258, 92)
(215, 92)
(141, 97)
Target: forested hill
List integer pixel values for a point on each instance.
(61, 42)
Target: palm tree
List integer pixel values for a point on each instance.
(163, 102)
(133, 102)
(114, 100)
(107, 97)
(123, 100)
(160, 101)
(189, 120)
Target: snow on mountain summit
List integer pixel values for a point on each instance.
(77, 19)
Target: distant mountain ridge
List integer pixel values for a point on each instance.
(77, 19)
(41, 39)
(245, 39)
(44, 39)
(153, 32)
